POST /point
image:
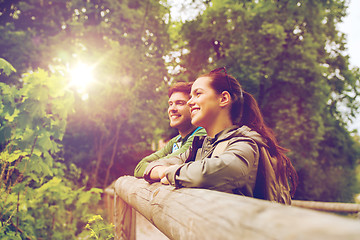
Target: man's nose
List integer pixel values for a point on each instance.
(172, 108)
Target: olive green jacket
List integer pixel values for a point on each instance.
(167, 150)
(234, 169)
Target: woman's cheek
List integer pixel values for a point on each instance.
(198, 119)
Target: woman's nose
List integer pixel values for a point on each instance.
(190, 102)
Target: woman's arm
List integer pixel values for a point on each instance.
(229, 170)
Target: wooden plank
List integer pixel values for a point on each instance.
(203, 214)
(146, 230)
(109, 194)
(124, 220)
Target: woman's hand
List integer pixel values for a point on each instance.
(164, 181)
(158, 173)
(162, 176)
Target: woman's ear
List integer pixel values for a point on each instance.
(225, 99)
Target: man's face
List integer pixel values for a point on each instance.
(179, 111)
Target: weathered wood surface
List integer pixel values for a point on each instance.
(328, 206)
(109, 194)
(336, 207)
(203, 214)
(124, 220)
(143, 228)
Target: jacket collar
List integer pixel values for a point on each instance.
(236, 131)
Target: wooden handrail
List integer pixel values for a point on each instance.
(328, 206)
(335, 207)
(189, 213)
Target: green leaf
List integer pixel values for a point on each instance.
(40, 93)
(29, 136)
(34, 177)
(11, 117)
(54, 182)
(5, 134)
(16, 155)
(11, 157)
(6, 66)
(44, 142)
(45, 169)
(20, 187)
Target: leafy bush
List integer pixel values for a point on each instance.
(38, 194)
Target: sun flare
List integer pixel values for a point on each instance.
(81, 77)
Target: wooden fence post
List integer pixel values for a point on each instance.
(109, 194)
(124, 220)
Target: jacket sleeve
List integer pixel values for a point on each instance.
(171, 162)
(231, 169)
(166, 152)
(163, 152)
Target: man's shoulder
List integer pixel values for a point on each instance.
(200, 132)
(174, 139)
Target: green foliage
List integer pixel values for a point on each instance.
(121, 114)
(125, 43)
(99, 229)
(16, 47)
(290, 55)
(37, 199)
(357, 169)
(6, 67)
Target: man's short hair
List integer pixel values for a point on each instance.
(184, 87)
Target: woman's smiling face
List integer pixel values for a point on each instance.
(204, 103)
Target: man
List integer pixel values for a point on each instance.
(180, 118)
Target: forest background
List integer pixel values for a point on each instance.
(66, 134)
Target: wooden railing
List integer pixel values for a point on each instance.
(329, 206)
(189, 213)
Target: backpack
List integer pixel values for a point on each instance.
(270, 183)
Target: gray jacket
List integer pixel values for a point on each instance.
(234, 169)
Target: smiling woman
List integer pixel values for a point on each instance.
(235, 155)
(81, 76)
